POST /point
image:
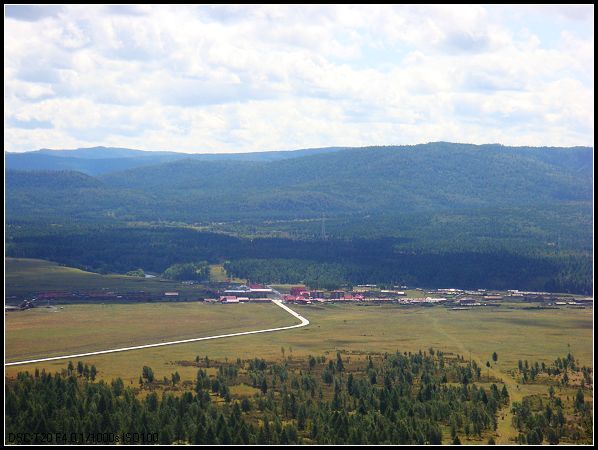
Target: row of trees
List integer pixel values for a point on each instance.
(286, 271)
(559, 370)
(396, 399)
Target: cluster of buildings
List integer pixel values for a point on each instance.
(301, 294)
(243, 294)
(304, 295)
(451, 297)
(253, 293)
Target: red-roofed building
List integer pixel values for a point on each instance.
(295, 299)
(297, 290)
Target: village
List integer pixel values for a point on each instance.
(234, 293)
(456, 299)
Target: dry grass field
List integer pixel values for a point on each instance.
(71, 329)
(513, 333)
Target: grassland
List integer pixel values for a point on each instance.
(218, 274)
(514, 333)
(38, 332)
(25, 276)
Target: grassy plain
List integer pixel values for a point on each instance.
(39, 332)
(25, 276)
(514, 333)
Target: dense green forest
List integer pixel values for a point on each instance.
(198, 271)
(422, 398)
(287, 271)
(437, 214)
(372, 180)
(326, 263)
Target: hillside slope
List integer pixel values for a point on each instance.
(375, 180)
(102, 160)
(433, 215)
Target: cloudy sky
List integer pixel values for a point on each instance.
(253, 78)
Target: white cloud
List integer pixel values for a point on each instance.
(247, 78)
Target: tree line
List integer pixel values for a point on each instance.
(197, 271)
(119, 249)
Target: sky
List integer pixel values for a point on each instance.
(211, 79)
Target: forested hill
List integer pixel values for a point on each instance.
(102, 160)
(373, 180)
(437, 214)
(50, 180)
(419, 177)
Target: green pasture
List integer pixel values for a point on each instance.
(25, 276)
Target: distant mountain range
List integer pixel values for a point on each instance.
(370, 181)
(101, 160)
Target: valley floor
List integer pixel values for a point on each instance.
(354, 330)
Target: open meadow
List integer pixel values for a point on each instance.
(71, 329)
(27, 277)
(513, 333)
(356, 331)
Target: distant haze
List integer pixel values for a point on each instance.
(220, 79)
